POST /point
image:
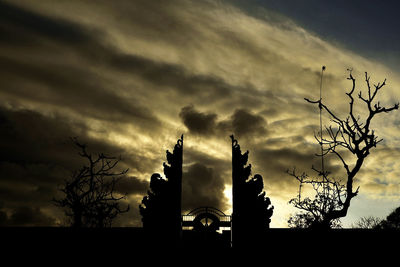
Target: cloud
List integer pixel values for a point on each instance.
(26, 216)
(48, 139)
(36, 164)
(129, 78)
(198, 122)
(331, 20)
(35, 26)
(132, 186)
(241, 123)
(202, 186)
(244, 123)
(49, 76)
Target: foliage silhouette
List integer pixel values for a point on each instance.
(252, 210)
(392, 221)
(303, 220)
(350, 135)
(90, 199)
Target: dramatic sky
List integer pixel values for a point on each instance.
(129, 77)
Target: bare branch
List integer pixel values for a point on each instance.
(352, 134)
(89, 194)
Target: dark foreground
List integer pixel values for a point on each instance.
(67, 242)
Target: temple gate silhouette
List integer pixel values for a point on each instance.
(161, 209)
(161, 213)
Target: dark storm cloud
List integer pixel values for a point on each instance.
(26, 216)
(279, 160)
(202, 186)
(245, 123)
(158, 21)
(221, 167)
(48, 140)
(23, 27)
(192, 155)
(37, 156)
(53, 79)
(172, 77)
(132, 186)
(30, 137)
(198, 122)
(273, 163)
(241, 123)
(76, 86)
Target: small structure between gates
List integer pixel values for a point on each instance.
(206, 219)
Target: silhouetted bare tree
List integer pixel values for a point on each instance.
(352, 136)
(90, 199)
(369, 222)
